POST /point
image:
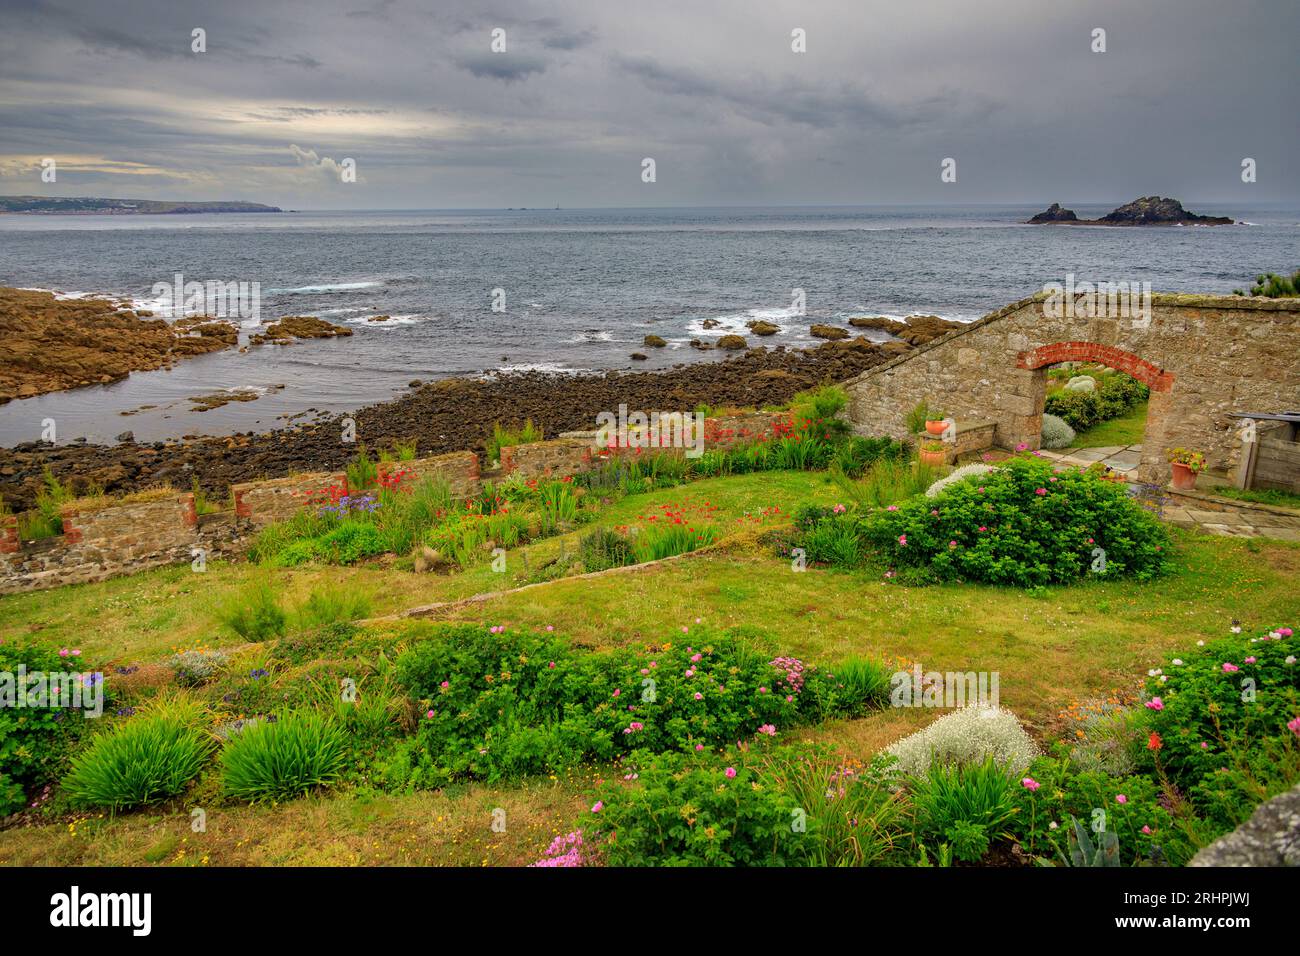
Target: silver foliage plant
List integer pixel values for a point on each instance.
(1057, 432)
(965, 471)
(964, 737)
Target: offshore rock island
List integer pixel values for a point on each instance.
(1147, 211)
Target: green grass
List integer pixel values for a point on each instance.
(1051, 648)
(1128, 429)
(1262, 496)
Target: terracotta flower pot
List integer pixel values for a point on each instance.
(1184, 477)
(932, 458)
(936, 428)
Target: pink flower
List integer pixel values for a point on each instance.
(1285, 631)
(550, 627)
(767, 729)
(695, 658)
(685, 629)
(551, 665)
(1090, 540)
(983, 528)
(1022, 446)
(598, 806)
(690, 672)
(617, 692)
(892, 508)
(731, 772)
(1155, 703)
(1146, 829)
(63, 652)
(1250, 660)
(1030, 784)
(952, 544)
(76, 652)
(1204, 745)
(762, 690)
(934, 512)
(1040, 491)
(698, 695)
(1120, 798)
(445, 684)
(429, 715)
(1294, 726)
(699, 747)
(902, 539)
(1230, 668)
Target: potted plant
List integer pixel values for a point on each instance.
(1186, 465)
(935, 422)
(932, 453)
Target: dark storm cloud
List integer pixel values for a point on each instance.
(413, 93)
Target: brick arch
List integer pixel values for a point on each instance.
(1157, 378)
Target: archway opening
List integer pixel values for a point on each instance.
(1098, 403)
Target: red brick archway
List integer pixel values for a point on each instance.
(1157, 378)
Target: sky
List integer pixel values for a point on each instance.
(584, 92)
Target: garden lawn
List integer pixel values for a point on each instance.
(1128, 429)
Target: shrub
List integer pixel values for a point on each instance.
(1023, 525)
(956, 475)
(1223, 719)
(1082, 410)
(965, 737)
(340, 602)
(254, 613)
(1274, 286)
(34, 738)
(1108, 738)
(966, 807)
(46, 520)
(1056, 432)
(361, 471)
(502, 704)
(150, 757)
(688, 810)
(885, 482)
(604, 548)
(280, 758)
(196, 667)
(833, 541)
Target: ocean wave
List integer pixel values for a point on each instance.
(327, 287)
(590, 335)
(738, 323)
(390, 322)
(551, 368)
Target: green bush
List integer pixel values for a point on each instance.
(506, 437)
(1082, 410)
(689, 810)
(604, 548)
(504, 704)
(339, 602)
(254, 613)
(1024, 525)
(277, 758)
(1274, 286)
(965, 807)
(35, 739)
(150, 757)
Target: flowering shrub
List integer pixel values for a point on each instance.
(569, 850)
(507, 703)
(1024, 525)
(34, 739)
(967, 736)
(1223, 717)
(694, 810)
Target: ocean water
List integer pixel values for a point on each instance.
(582, 288)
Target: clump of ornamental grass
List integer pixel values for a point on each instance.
(150, 757)
(965, 737)
(284, 757)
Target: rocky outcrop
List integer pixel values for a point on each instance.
(831, 332)
(654, 341)
(1147, 211)
(52, 344)
(1054, 213)
(291, 327)
(732, 342)
(763, 327)
(1271, 837)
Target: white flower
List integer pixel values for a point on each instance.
(1163, 678)
(1178, 662)
(1200, 643)
(1236, 629)
(1154, 673)
(967, 736)
(1291, 659)
(1275, 635)
(1052, 825)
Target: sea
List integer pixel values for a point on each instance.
(568, 291)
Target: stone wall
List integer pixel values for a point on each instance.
(106, 539)
(1203, 357)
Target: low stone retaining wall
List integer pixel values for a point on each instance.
(107, 539)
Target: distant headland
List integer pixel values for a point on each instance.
(91, 205)
(1147, 211)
